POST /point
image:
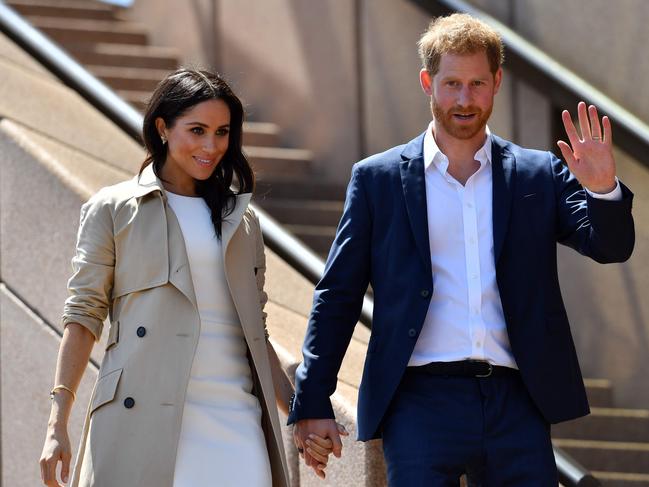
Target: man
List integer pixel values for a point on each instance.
(470, 357)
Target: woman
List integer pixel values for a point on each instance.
(186, 394)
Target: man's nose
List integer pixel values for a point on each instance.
(464, 96)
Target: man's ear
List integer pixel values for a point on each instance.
(426, 82)
(498, 77)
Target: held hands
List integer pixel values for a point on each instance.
(589, 158)
(56, 449)
(316, 439)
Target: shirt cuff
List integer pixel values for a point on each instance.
(615, 195)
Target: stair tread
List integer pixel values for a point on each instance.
(63, 4)
(279, 153)
(279, 203)
(322, 230)
(601, 444)
(94, 25)
(620, 412)
(134, 50)
(261, 127)
(128, 72)
(605, 475)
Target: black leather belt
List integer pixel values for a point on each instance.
(464, 368)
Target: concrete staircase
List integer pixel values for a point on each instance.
(118, 52)
(613, 443)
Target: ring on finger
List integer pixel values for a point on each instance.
(596, 137)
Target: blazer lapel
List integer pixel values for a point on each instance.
(503, 180)
(414, 191)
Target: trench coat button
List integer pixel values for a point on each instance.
(129, 402)
(424, 293)
(412, 333)
(141, 331)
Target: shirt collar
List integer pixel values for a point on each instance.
(434, 156)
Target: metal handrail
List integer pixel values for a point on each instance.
(300, 257)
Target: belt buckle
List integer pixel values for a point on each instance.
(488, 374)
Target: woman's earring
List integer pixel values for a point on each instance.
(164, 139)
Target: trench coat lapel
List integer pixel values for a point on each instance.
(179, 271)
(178, 262)
(231, 223)
(503, 181)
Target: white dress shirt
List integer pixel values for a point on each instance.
(465, 318)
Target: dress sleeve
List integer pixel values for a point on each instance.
(93, 265)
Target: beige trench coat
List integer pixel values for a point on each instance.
(131, 265)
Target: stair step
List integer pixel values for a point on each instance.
(64, 9)
(124, 55)
(264, 134)
(279, 161)
(302, 212)
(622, 479)
(615, 456)
(600, 392)
(129, 79)
(82, 31)
(300, 189)
(612, 424)
(318, 238)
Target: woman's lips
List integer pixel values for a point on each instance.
(203, 162)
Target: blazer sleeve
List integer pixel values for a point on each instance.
(337, 304)
(93, 264)
(600, 229)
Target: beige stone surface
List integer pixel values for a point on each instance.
(11, 53)
(43, 184)
(28, 348)
(46, 106)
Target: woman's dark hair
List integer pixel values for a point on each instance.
(179, 92)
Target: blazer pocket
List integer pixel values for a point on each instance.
(105, 389)
(113, 335)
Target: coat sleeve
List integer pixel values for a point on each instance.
(93, 264)
(600, 229)
(337, 304)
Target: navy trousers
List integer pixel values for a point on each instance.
(438, 428)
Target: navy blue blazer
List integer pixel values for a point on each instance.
(382, 240)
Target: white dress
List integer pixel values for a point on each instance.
(221, 441)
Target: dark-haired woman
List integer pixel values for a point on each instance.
(186, 393)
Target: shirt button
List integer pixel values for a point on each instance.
(412, 333)
(129, 402)
(478, 344)
(424, 293)
(141, 331)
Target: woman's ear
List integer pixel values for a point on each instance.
(161, 127)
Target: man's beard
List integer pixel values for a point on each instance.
(453, 128)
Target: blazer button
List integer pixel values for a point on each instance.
(141, 331)
(424, 293)
(412, 333)
(129, 402)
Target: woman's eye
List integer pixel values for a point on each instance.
(198, 130)
(222, 132)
